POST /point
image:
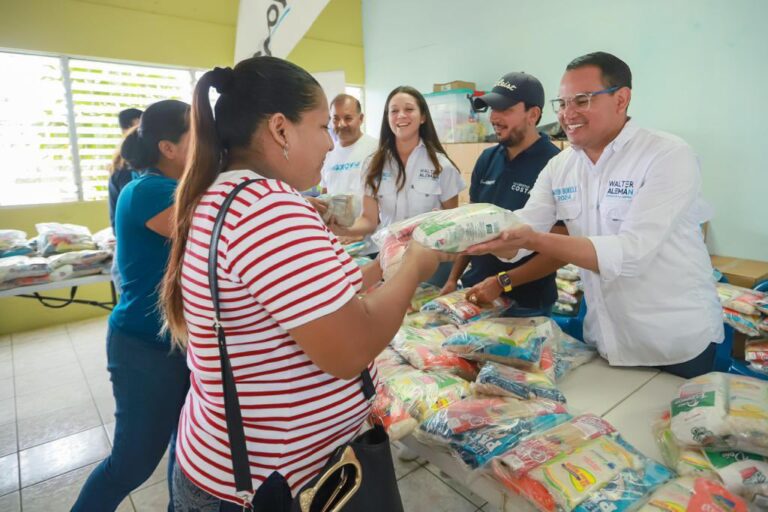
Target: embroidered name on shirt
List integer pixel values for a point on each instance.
(520, 187)
(487, 182)
(622, 189)
(565, 193)
(345, 166)
(428, 174)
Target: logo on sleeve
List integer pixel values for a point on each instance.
(620, 189)
(564, 194)
(487, 182)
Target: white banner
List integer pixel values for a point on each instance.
(273, 27)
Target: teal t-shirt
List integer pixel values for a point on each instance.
(142, 255)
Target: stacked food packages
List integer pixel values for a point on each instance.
(60, 251)
(717, 428)
(569, 291)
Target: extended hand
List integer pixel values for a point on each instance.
(507, 244)
(485, 291)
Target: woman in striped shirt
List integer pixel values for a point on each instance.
(298, 334)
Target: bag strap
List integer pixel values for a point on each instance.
(235, 431)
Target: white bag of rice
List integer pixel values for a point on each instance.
(700, 410)
(459, 228)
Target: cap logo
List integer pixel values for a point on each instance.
(503, 83)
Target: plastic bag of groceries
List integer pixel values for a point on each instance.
(105, 239)
(457, 229)
(55, 238)
(544, 446)
(461, 311)
(756, 353)
(18, 267)
(564, 309)
(686, 461)
(722, 412)
(344, 208)
(569, 287)
(80, 260)
(741, 300)
(499, 380)
(391, 256)
(424, 293)
(689, 494)
(566, 298)
(746, 324)
(422, 348)
(407, 396)
(13, 242)
(762, 305)
(475, 412)
(513, 341)
(569, 272)
(401, 230)
(603, 471)
(478, 429)
(427, 320)
(569, 354)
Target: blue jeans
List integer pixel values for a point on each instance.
(273, 495)
(150, 386)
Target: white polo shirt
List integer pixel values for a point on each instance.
(654, 301)
(423, 191)
(343, 166)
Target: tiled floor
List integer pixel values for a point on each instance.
(56, 424)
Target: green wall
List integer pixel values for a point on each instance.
(188, 33)
(699, 71)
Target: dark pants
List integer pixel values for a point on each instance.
(273, 495)
(699, 365)
(150, 386)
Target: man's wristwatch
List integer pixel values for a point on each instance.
(504, 281)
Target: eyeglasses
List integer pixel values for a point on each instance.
(580, 102)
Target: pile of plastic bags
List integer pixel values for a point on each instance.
(717, 427)
(569, 290)
(60, 251)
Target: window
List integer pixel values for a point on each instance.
(58, 122)
(34, 132)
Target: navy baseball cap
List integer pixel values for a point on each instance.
(510, 90)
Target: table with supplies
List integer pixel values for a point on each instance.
(628, 398)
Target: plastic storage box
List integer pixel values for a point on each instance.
(454, 119)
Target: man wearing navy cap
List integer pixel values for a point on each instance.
(504, 176)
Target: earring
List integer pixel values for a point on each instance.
(285, 151)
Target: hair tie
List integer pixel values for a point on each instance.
(222, 79)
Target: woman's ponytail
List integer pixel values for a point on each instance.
(204, 165)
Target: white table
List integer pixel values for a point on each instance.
(628, 398)
(33, 292)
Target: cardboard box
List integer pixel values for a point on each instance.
(741, 272)
(451, 86)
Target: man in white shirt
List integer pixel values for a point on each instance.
(631, 200)
(341, 172)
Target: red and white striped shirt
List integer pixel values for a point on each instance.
(279, 268)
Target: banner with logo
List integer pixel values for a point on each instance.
(273, 27)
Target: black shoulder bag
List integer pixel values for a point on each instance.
(359, 476)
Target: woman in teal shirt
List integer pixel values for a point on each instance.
(149, 380)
